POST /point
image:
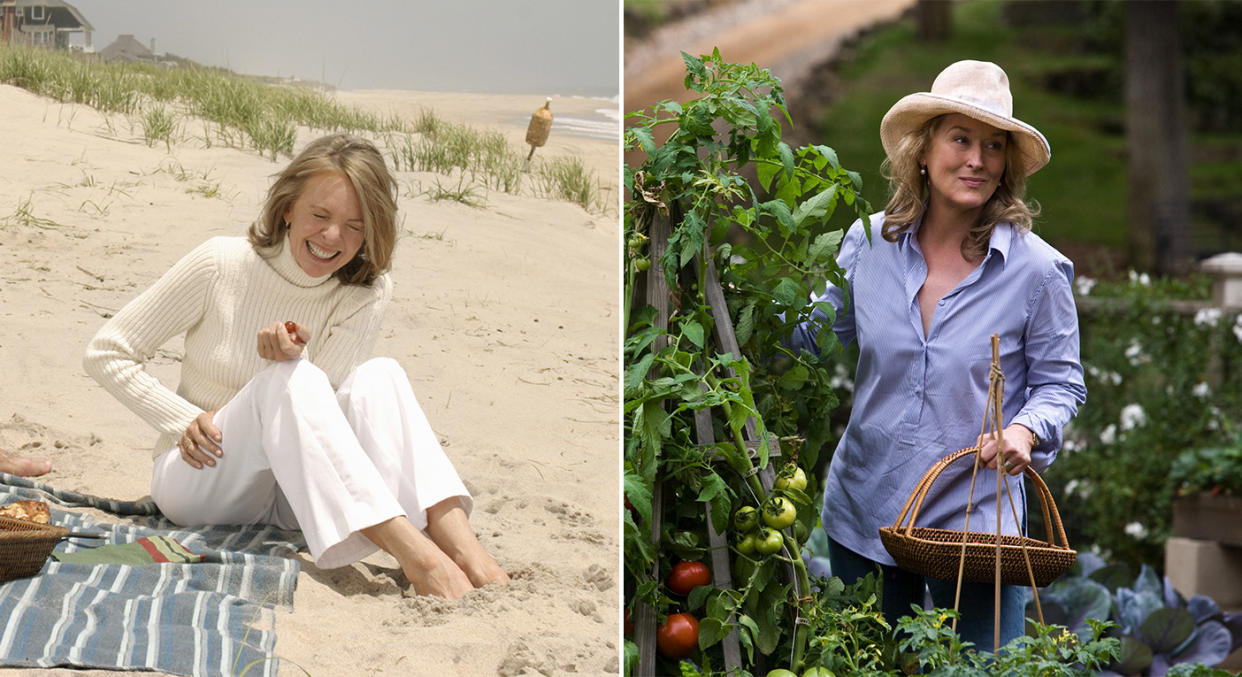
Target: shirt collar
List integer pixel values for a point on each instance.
(1000, 240)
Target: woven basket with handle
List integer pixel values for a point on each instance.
(937, 552)
(25, 546)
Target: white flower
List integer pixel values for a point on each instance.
(1109, 434)
(1134, 352)
(1143, 279)
(1209, 316)
(1237, 328)
(841, 378)
(1083, 284)
(1070, 486)
(1132, 417)
(1201, 390)
(1069, 445)
(1137, 530)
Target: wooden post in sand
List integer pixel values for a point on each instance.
(540, 125)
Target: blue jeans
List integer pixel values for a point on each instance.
(902, 588)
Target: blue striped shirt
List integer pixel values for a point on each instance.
(918, 398)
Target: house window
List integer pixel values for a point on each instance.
(38, 13)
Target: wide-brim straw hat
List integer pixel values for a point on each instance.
(977, 89)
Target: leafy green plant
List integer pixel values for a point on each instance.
(1215, 470)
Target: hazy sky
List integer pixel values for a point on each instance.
(541, 47)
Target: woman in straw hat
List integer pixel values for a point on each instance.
(280, 417)
(951, 261)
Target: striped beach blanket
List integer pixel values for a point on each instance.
(211, 617)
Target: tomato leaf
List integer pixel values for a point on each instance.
(639, 494)
(747, 631)
(720, 509)
(636, 373)
(787, 292)
(745, 323)
(711, 631)
(693, 331)
(787, 158)
(818, 207)
(697, 596)
(825, 246)
(643, 136)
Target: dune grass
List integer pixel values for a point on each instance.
(245, 113)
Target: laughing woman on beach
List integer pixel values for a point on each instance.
(279, 417)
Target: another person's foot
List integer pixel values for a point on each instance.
(23, 466)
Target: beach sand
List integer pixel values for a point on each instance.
(505, 318)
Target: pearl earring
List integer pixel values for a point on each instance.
(923, 171)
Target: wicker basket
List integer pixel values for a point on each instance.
(938, 553)
(25, 546)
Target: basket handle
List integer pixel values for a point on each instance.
(1052, 517)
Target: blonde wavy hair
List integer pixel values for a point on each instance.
(909, 190)
(361, 163)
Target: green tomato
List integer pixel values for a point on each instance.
(779, 512)
(746, 544)
(782, 672)
(743, 568)
(790, 477)
(746, 519)
(801, 531)
(642, 263)
(768, 541)
(818, 671)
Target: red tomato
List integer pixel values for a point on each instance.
(678, 637)
(687, 576)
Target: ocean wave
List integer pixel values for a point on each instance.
(592, 128)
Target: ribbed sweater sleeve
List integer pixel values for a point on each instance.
(115, 357)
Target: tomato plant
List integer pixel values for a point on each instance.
(772, 243)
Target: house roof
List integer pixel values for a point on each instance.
(126, 48)
(60, 14)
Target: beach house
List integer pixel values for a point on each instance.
(43, 23)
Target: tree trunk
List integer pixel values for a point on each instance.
(1158, 210)
(935, 20)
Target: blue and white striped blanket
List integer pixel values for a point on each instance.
(216, 617)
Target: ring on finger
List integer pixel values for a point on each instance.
(1008, 466)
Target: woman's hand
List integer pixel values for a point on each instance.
(278, 344)
(200, 444)
(1016, 442)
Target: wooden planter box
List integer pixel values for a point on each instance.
(1209, 518)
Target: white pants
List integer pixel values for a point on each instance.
(300, 456)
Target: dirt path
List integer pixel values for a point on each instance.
(790, 37)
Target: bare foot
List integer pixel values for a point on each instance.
(439, 577)
(23, 466)
(448, 526)
(428, 569)
(481, 569)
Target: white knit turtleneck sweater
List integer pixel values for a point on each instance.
(220, 295)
